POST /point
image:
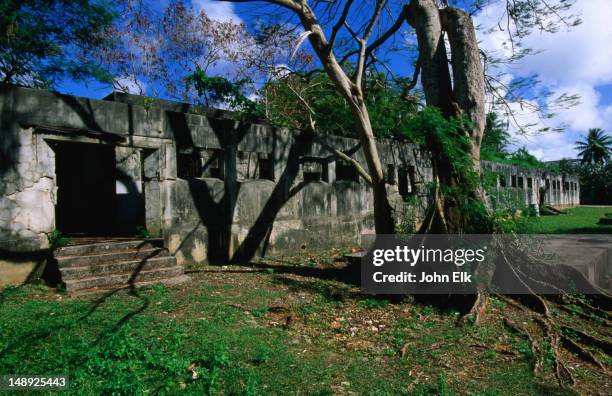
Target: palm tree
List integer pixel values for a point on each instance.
(596, 148)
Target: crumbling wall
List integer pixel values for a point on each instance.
(28, 193)
(216, 188)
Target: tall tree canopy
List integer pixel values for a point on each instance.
(292, 99)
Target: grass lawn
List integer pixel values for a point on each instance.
(580, 220)
(297, 326)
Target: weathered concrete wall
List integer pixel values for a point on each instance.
(27, 191)
(534, 186)
(215, 188)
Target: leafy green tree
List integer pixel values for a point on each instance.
(596, 148)
(595, 180)
(522, 157)
(293, 99)
(596, 183)
(43, 41)
(496, 138)
(216, 91)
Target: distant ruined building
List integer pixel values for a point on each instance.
(212, 188)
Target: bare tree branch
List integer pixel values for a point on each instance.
(364, 174)
(290, 4)
(340, 22)
(382, 38)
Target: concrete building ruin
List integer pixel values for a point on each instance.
(215, 189)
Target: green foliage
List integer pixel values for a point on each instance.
(495, 145)
(451, 144)
(438, 388)
(219, 90)
(496, 139)
(580, 220)
(596, 148)
(147, 102)
(507, 206)
(388, 108)
(525, 348)
(44, 41)
(142, 232)
(522, 157)
(124, 359)
(596, 183)
(375, 303)
(408, 216)
(510, 221)
(429, 125)
(57, 239)
(260, 312)
(202, 340)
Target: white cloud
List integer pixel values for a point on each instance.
(582, 54)
(586, 114)
(218, 10)
(576, 60)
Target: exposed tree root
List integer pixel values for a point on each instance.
(588, 315)
(584, 304)
(478, 309)
(558, 337)
(538, 362)
(587, 339)
(511, 302)
(585, 315)
(541, 293)
(563, 374)
(578, 349)
(555, 336)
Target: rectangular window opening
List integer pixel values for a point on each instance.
(266, 167)
(346, 172)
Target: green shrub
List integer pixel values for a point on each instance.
(57, 239)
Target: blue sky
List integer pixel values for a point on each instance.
(574, 61)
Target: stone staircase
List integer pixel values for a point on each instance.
(100, 265)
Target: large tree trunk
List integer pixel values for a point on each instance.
(383, 218)
(353, 94)
(463, 97)
(468, 75)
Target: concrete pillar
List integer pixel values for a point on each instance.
(152, 191)
(129, 190)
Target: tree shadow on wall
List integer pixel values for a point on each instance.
(215, 201)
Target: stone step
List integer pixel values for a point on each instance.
(107, 247)
(109, 258)
(70, 273)
(121, 280)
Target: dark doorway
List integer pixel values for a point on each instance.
(86, 189)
